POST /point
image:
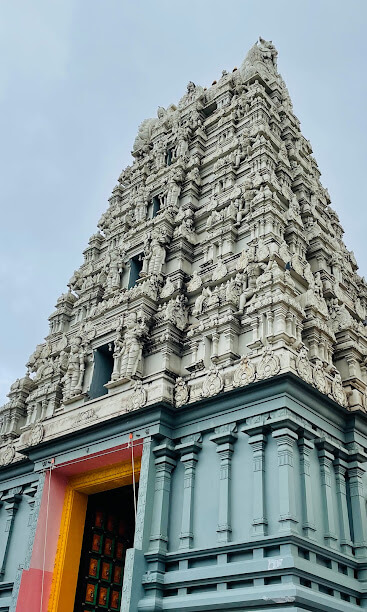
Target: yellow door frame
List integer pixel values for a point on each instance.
(66, 568)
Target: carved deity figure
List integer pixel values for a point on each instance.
(182, 148)
(243, 203)
(174, 189)
(73, 379)
(160, 154)
(195, 282)
(141, 205)
(129, 347)
(234, 289)
(114, 268)
(40, 362)
(269, 51)
(176, 312)
(199, 302)
(318, 285)
(154, 253)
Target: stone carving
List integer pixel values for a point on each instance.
(114, 267)
(139, 396)
(244, 247)
(36, 434)
(319, 377)
(168, 288)
(213, 382)
(129, 346)
(154, 254)
(219, 271)
(73, 379)
(246, 256)
(176, 312)
(337, 389)
(174, 188)
(303, 365)
(187, 225)
(7, 454)
(201, 300)
(269, 365)
(195, 282)
(244, 373)
(85, 416)
(181, 392)
(234, 290)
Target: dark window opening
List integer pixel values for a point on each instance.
(169, 156)
(102, 371)
(136, 265)
(154, 207)
(108, 533)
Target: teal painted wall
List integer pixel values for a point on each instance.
(238, 569)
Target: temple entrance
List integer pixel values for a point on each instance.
(108, 532)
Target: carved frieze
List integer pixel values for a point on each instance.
(244, 373)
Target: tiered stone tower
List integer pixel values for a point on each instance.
(217, 309)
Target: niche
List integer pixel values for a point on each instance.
(154, 207)
(136, 265)
(102, 371)
(169, 156)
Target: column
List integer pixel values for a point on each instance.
(326, 459)
(285, 439)
(358, 507)
(257, 440)
(29, 493)
(224, 437)
(11, 503)
(164, 463)
(188, 449)
(135, 563)
(340, 468)
(308, 525)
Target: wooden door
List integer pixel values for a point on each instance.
(108, 532)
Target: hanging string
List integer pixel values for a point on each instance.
(133, 471)
(46, 527)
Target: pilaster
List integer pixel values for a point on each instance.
(11, 502)
(340, 469)
(188, 449)
(285, 439)
(135, 563)
(358, 506)
(308, 519)
(257, 440)
(224, 437)
(164, 463)
(326, 460)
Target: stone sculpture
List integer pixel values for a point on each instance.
(129, 347)
(73, 379)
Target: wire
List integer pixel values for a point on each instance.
(133, 470)
(46, 527)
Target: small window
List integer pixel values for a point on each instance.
(102, 371)
(169, 156)
(156, 205)
(136, 265)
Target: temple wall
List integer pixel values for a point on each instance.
(262, 549)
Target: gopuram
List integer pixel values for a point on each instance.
(192, 433)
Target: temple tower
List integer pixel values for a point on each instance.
(192, 434)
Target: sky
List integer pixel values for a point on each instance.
(77, 77)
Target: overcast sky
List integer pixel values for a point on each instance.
(78, 76)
